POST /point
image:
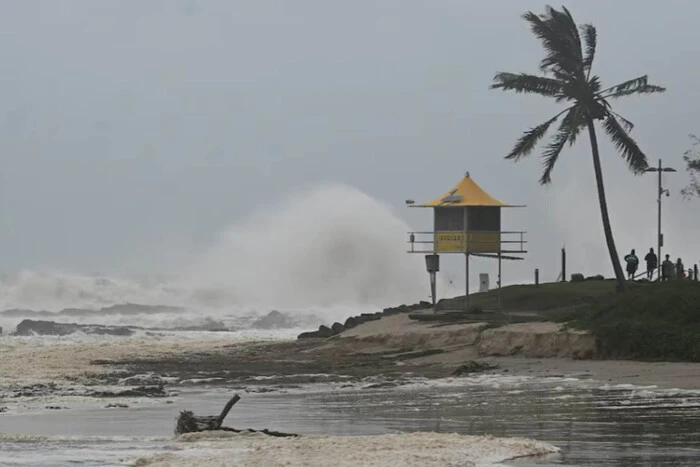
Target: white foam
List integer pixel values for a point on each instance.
(413, 449)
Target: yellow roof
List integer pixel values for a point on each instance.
(466, 193)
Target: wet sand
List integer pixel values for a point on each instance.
(396, 347)
(392, 348)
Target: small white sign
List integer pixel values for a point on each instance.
(483, 282)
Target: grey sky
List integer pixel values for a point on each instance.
(133, 132)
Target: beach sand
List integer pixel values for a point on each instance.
(392, 347)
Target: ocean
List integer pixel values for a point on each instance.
(59, 403)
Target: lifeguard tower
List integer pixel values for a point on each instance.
(467, 221)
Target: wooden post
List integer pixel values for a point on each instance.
(466, 282)
(563, 264)
(500, 303)
(695, 272)
(537, 277)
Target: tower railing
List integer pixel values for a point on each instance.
(477, 242)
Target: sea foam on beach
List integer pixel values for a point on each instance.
(411, 449)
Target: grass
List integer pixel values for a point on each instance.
(650, 322)
(545, 297)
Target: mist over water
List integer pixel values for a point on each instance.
(326, 247)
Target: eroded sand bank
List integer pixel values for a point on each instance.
(393, 346)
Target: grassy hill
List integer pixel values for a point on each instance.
(651, 321)
(654, 321)
(542, 298)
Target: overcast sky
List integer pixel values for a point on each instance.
(134, 132)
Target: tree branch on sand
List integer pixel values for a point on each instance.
(188, 422)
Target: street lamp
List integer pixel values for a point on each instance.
(662, 191)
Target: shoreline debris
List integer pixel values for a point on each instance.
(188, 422)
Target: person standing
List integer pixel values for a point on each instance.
(680, 269)
(666, 269)
(652, 263)
(632, 264)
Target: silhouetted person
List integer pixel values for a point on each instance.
(666, 269)
(680, 269)
(652, 263)
(632, 264)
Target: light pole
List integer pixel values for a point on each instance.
(659, 235)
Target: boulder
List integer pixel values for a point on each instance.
(273, 320)
(309, 335)
(370, 316)
(390, 311)
(29, 327)
(577, 277)
(351, 322)
(597, 277)
(325, 331)
(337, 328)
(209, 324)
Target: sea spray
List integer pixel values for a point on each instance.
(329, 251)
(332, 245)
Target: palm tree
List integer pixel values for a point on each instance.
(567, 78)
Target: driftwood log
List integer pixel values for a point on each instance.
(188, 422)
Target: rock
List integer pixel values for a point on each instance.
(3, 409)
(351, 322)
(371, 316)
(325, 331)
(116, 406)
(473, 367)
(337, 328)
(29, 327)
(54, 407)
(309, 335)
(577, 277)
(404, 309)
(597, 277)
(273, 320)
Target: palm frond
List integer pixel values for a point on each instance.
(566, 21)
(553, 31)
(636, 159)
(552, 151)
(647, 89)
(629, 84)
(638, 85)
(627, 125)
(594, 84)
(590, 37)
(524, 83)
(527, 142)
(575, 120)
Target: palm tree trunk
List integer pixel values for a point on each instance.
(619, 274)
